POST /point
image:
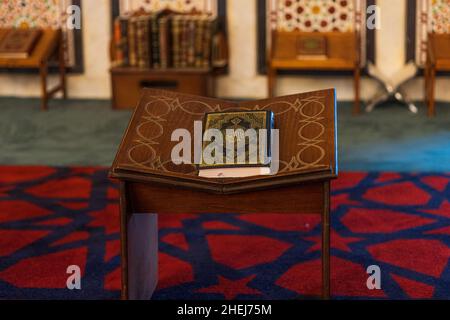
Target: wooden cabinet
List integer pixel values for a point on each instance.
(127, 83)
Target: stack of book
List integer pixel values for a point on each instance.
(163, 39)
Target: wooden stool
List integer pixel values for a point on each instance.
(49, 44)
(342, 55)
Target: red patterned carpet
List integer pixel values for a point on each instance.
(54, 217)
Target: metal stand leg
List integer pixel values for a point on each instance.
(391, 87)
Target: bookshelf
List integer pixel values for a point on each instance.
(166, 49)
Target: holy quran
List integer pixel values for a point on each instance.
(236, 144)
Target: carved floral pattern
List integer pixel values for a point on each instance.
(315, 15)
(31, 13)
(431, 16)
(175, 5)
(440, 16)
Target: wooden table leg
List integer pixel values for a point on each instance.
(326, 243)
(432, 84)
(356, 79)
(271, 81)
(139, 250)
(44, 96)
(425, 84)
(62, 68)
(210, 86)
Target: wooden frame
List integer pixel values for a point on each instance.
(411, 10)
(139, 232)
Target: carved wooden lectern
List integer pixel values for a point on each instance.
(151, 184)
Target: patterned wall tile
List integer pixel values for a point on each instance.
(315, 15)
(318, 16)
(41, 14)
(431, 16)
(440, 16)
(31, 13)
(176, 5)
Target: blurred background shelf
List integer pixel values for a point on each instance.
(127, 83)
